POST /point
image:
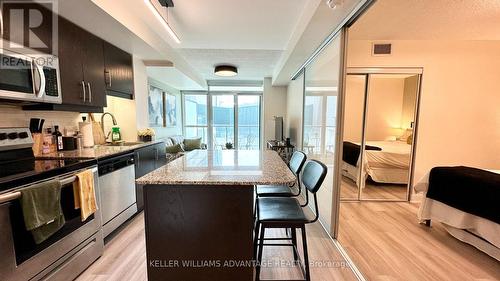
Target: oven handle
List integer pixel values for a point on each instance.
(9, 197)
(16, 195)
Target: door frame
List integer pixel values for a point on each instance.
(368, 71)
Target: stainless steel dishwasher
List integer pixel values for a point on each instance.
(117, 185)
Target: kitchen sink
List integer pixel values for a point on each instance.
(122, 143)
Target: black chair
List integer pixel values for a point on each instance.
(296, 163)
(286, 212)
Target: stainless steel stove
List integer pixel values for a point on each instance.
(69, 251)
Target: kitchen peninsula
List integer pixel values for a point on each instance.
(199, 213)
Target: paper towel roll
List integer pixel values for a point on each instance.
(87, 135)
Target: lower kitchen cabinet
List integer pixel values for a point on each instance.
(147, 159)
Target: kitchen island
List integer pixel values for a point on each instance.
(199, 213)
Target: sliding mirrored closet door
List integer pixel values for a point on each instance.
(380, 118)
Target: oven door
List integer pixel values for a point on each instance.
(22, 259)
(20, 77)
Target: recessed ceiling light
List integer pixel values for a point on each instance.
(226, 70)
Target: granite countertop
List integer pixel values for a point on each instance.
(99, 151)
(223, 167)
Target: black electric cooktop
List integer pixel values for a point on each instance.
(24, 171)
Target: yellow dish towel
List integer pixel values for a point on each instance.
(84, 193)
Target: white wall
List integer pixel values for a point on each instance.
(162, 132)
(141, 93)
(141, 88)
(274, 104)
(459, 120)
(124, 112)
(14, 116)
(354, 107)
(294, 109)
(385, 107)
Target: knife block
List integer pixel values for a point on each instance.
(37, 144)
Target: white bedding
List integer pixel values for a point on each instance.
(390, 165)
(458, 223)
(394, 154)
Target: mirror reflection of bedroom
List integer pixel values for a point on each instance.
(379, 112)
(419, 174)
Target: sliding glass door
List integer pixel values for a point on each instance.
(320, 121)
(224, 120)
(248, 122)
(196, 116)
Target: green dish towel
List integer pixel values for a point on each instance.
(42, 212)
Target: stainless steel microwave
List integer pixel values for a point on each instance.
(29, 78)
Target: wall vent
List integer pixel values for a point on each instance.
(381, 49)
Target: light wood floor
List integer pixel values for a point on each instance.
(125, 257)
(372, 190)
(386, 242)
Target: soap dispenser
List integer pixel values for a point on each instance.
(115, 134)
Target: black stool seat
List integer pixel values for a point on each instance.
(274, 191)
(280, 209)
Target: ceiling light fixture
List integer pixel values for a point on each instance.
(333, 4)
(163, 21)
(225, 70)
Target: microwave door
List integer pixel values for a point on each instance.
(17, 78)
(38, 80)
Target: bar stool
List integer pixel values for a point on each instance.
(286, 212)
(296, 163)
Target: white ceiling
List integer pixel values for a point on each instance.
(252, 64)
(250, 35)
(172, 77)
(235, 24)
(429, 20)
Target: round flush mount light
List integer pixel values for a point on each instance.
(225, 70)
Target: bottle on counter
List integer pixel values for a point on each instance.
(50, 139)
(115, 134)
(58, 137)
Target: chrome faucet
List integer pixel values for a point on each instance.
(102, 122)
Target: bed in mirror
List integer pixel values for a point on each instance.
(379, 118)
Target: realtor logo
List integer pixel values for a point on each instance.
(29, 26)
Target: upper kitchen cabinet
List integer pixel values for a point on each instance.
(81, 70)
(119, 73)
(81, 63)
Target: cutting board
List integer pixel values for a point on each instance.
(99, 137)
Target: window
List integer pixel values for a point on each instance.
(248, 122)
(313, 120)
(224, 119)
(196, 117)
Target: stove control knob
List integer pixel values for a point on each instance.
(23, 135)
(3, 136)
(12, 136)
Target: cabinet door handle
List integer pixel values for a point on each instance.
(84, 91)
(109, 78)
(90, 92)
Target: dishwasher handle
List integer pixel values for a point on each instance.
(115, 164)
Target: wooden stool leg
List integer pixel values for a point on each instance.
(306, 256)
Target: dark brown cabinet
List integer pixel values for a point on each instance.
(118, 72)
(81, 63)
(148, 159)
